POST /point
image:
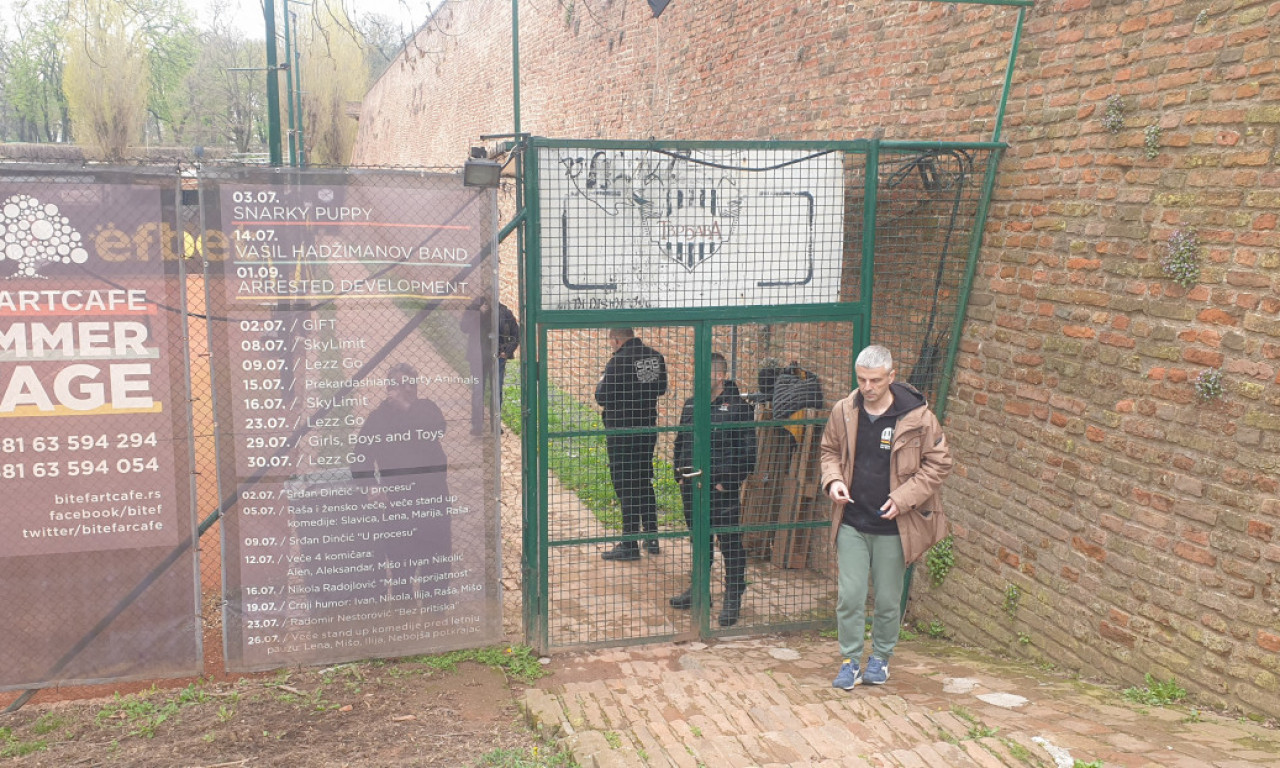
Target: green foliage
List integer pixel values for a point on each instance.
(1090, 764)
(1151, 141)
(934, 629)
(1113, 116)
(1016, 750)
(1012, 596)
(1156, 693)
(1181, 261)
(1024, 638)
(981, 732)
(147, 711)
(517, 661)
(581, 463)
(939, 561)
(47, 723)
(11, 747)
(906, 634)
(534, 757)
(1208, 384)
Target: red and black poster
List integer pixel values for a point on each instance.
(97, 572)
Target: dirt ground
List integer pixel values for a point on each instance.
(405, 713)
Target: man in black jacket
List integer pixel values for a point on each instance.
(733, 456)
(633, 380)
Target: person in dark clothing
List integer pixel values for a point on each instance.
(628, 391)
(733, 457)
(477, 323)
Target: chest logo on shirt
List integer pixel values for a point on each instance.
(647, 370)
(886, 439)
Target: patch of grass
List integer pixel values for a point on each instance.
(534, 757)
(934, 629)
(1156, 693)
(582, 462)
(981, 732)
(47, 723)
(1090, 764)
(517, 661)
(1016, 750)
(1024, 638)
(906, 634)
(613, 739)
(147, 711)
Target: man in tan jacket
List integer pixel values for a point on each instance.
(884, 457)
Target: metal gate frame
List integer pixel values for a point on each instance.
(537, 322)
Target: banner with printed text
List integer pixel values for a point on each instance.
(639, 229)
(356, 401)
(97, 523)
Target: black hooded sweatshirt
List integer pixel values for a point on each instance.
(870, 488)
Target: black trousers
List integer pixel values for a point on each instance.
(725, 513)
(631, 470)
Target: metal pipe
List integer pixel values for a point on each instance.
(966, 285)
(515, 65)
(288, 82)
(1008, 74)
(273, 85)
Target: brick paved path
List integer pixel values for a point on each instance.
(767, 700)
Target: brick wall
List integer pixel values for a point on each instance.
(1140, 525)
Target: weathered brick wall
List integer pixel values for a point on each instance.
(1140, 526)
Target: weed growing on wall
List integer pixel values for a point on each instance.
(939, 561)
(1208, 384)
(1113, 115)
(1181, 262)
(1151, 141)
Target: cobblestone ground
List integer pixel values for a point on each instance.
(766, 700)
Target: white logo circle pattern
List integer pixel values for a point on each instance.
(33, 235)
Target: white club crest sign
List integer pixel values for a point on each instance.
(648, 228)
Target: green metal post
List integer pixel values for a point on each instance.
(273, 85)
(700, 534)
(1008, 73)
(515, 66)
(296, 68)
(533, 401)
(288, 82)
(966, 286)
(870, 191)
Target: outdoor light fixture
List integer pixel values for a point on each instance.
(479, 172)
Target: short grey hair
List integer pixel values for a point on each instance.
(875, 356)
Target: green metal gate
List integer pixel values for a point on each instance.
(776, 257)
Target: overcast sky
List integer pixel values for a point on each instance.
(410, 13)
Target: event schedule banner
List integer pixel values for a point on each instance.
(97, 571)
(352, 359)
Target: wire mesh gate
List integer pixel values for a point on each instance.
(692, 312)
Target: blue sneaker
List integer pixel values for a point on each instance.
(848, 676)
(877, 671)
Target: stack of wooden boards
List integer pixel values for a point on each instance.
(784, 490)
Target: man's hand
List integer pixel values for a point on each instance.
(889, 509)
(838, 491)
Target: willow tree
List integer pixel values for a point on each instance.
(106, 80)
(333, 82)
(115, 48)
